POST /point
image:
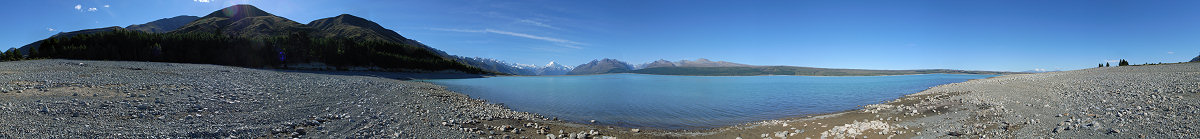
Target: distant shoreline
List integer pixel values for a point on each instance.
(790, 70)
(748, 75)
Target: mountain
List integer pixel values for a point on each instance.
(249, 21)
(553, 69)
(657, 63)
(790, 70)
(600, 67)
(243, 35)
(1040, 71)
(354, 27)
(685, 63)
(706, 63)
(164, 25)
(25, 50)
(705, 67)
(244, 21)
(350, 26)
(497, 65)
(1197, 59)
(156, 26)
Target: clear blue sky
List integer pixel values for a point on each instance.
(1010, 35)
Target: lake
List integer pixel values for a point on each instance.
(690, 102)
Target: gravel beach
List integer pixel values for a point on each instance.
(1153, 101)
(112, 99)
(105, 99)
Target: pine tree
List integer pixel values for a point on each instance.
(1123, 63)
(10, 55)
(1101, 65)
(1106, 64)
(32, 53)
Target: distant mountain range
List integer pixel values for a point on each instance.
(790, 70)
(685, 63)
(601, 66)
(705, 67)
(1040, 71)
(552, 68)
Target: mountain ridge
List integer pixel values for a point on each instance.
(244, 21)
(243, 35)
(701, 62)
(346, 25)
(164, 25)
(705, 67)
(793, 70)
(28, 48)
(1197, 59)
(600, 67)
(551, 68)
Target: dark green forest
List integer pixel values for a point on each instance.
(270, 52)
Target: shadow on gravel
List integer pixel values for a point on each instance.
(390, 75)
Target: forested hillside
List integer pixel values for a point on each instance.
(208, 48)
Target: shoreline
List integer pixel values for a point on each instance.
(739, 130)
(793, 117)
(915, 115)
(748, 75)
(114, 99)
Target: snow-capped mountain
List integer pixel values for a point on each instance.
(553, 68)
(514, 68)
(494, 65)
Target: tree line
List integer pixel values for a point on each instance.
(11, 55)
(1122, 62)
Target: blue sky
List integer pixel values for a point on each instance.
(1011, 35)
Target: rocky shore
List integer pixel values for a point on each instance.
(1154, 101)
(106, 99)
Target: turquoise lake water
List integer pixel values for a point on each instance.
(691, 102)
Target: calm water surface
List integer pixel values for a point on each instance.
(691, 102)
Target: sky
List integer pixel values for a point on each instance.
(1010, 35)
